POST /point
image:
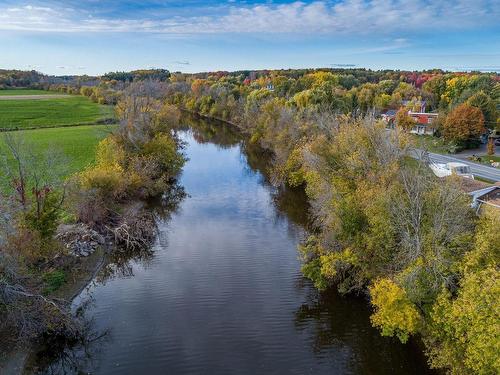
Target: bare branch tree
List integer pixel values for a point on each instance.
(32, 175)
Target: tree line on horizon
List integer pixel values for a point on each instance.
(474, 96)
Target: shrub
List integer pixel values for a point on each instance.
(44, 214)
(107, 175)
(162, 149)
(53, 280)
(29, 247)
(107, 179)
(90, 207)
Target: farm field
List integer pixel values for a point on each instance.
(51, 112)
(11, 92)
(76, 144)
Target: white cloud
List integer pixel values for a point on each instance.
(320, 17)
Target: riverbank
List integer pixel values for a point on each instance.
(15, 362)
(105, 199)
(79, 272)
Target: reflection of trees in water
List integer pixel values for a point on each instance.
(335, 330)
(63, 355)
(121, 260)
(211, 131)
(291, 204)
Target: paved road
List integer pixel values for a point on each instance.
(479, 170)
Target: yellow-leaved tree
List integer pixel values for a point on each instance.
(394, 314)
(464, 331)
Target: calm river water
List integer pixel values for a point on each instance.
(221, 291)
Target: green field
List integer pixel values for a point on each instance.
(9, 92)
(51, 112)
(430, 143)
(485, 159)
(76, 144)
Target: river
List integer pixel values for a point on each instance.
(221, 290)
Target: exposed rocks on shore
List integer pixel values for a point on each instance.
(79, 239)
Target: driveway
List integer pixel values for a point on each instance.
(481, 151)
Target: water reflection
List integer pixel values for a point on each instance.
(341, 324)
(122, 260)
(291, 204)
(211, 131)
(63, 355)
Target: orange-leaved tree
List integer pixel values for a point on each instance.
(464, 122)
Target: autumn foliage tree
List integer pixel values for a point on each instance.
(490, 147)
(403, 120)
(465, 122)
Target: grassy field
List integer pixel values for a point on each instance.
(430, 143)
(76, 144)
(486, 159)
(51, 112)
(25, 92)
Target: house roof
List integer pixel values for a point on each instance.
(489, 195)
(390, 112)
(468, 185)
(455, 164)
(480, 192)
(492, 196)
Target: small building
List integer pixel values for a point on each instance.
(388, 117)
(451, 169)
(424, 122)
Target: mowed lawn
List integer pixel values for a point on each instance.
(76, 145)
(9, 92)
(51, 112)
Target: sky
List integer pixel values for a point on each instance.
(97, 36)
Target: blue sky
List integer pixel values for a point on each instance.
(94, 37)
